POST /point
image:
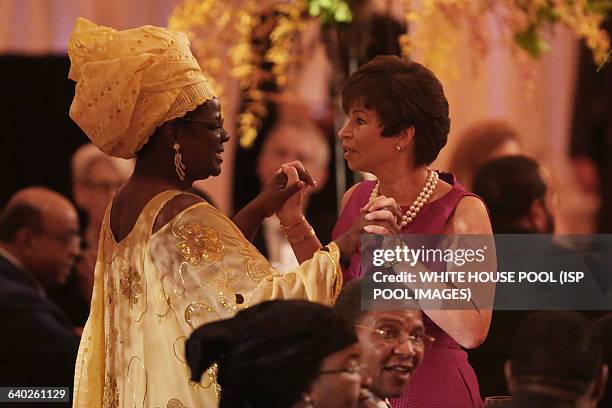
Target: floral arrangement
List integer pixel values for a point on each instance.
(522, 23)
(434, 25)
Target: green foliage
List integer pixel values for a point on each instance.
(331, 12)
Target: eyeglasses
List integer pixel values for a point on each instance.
(352, 369)
(209, 124)
(395, 336)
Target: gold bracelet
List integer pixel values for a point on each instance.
(285, 228)
(296, 240)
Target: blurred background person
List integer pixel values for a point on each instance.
(96, 178)
(281, 354)
(39, 242)
(480, 143)
(293, 138)
(517, 195)
(393, 343)
(556, 362)
(591, 134)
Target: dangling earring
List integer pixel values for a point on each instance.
(308, 401)
(179, 166)
(398, 148)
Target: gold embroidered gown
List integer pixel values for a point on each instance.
(152, 290)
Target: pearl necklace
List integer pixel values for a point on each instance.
(424, 195)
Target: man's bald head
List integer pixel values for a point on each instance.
(29, 208)
(41, 229)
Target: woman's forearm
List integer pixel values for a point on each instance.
(248, 220)
(303, 240)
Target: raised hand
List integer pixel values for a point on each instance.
(292, 210)
(271, 199)
(280, 193)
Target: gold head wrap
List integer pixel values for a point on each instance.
(130, 82)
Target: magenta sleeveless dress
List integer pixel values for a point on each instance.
(444, 379)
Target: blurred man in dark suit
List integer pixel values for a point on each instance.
(39, 242)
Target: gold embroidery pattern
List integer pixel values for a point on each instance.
(178, 346)
(195, 307)
(179, 343)
(111, 393)
(111, 292)
(130, 285)
(254, 267)
(175, 403)
(131, 374)
(197, 244)
(111, 334)
(225, 287)
(334, 256)
(212, 377)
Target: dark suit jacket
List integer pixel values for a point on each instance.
(38, 345)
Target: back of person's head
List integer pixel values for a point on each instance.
(558, 351)
(484, 141)
(509, 186)
(403, 94)
(270, 353)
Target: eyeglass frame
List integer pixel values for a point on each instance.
(413, 339)
(204, 122)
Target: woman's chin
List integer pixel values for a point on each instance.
(355, 166)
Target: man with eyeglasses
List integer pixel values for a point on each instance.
(39, 242)
(393, 344)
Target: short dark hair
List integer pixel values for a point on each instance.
(509, 186)
(348, 303)
(557, 348)
(18, 216)
(404, 94)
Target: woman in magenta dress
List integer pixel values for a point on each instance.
(397, 123)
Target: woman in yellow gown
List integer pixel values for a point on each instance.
(168, 261)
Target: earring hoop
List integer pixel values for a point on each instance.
(179, 166)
